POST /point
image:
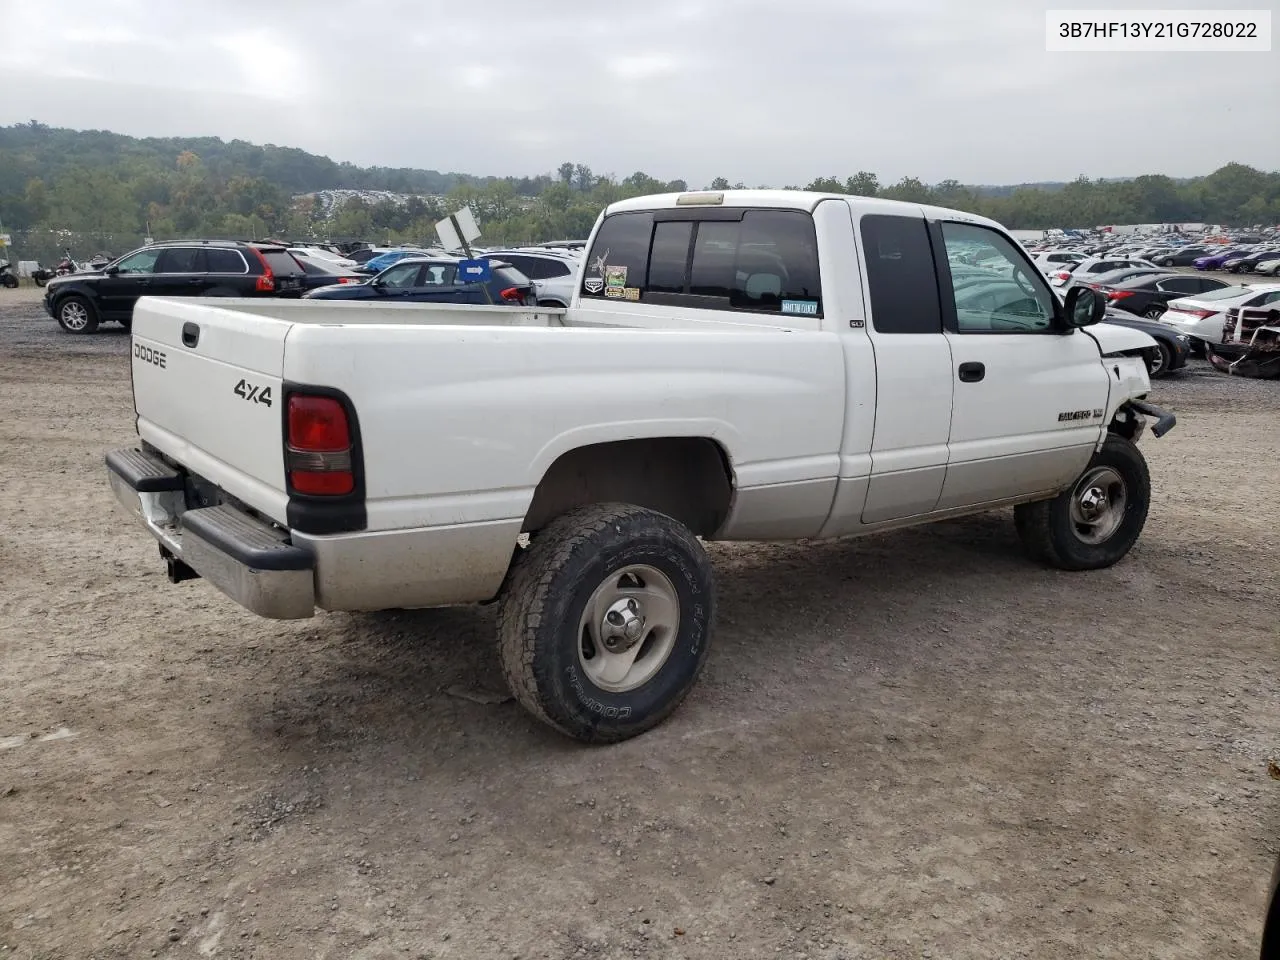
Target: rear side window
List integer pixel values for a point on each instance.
(218, 260)
(1180, 285)
(538, 268)
(901, 279)
(179, 260)
(281, 262)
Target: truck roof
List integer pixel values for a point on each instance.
(788, 199)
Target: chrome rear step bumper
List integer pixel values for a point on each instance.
(250, 561)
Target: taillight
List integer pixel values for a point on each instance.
(1064, 274)
(1202, 314)
(513, 295)
(318, 447)
(1118, 294)
(266, 283)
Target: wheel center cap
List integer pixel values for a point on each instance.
(623, 625)
(1093, 500)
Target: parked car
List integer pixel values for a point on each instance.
(377, 264)
(569, 468)
(1055, 259)
(1268, 268)
(1099, 280)
(554, 272)
(1214, 261)
(434, 280)
(1183, 257)
(1093, 266)
(1247, 262)
(1250, 344)
(1148, 295)
(322, 255)
(325, 273)
(178, 268)
(1201, 317)
(1172, 349)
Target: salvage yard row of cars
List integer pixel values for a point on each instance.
(82, 301)
(1234, 323)
(1186, 314)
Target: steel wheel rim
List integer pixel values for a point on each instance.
(628, 628)
(75, 316)
(1098, 505)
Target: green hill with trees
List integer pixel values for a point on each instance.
(93, 189)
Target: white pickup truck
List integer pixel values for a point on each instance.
(746, 365)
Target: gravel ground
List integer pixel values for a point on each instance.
(917, 744)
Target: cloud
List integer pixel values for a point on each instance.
(751, 90)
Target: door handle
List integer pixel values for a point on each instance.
(972, 372)
(190, 334)
(194, 281)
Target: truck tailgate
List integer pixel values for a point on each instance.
(207, 390)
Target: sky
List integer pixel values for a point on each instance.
(761, 91)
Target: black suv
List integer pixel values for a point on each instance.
(175, 268)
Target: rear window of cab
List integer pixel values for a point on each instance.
(757, 260)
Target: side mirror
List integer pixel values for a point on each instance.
(112, 270)
(1084, 307)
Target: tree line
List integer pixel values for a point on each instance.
(111, 190)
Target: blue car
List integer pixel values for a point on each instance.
(434, 280)
(383, 260)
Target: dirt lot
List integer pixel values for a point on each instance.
(913, 745)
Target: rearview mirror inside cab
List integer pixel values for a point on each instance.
(1084, 306)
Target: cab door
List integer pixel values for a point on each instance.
(1030, 393)
(913, 364)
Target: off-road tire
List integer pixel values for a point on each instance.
(90, 312)
(542, 604)
(1049, 535)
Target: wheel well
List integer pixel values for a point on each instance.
(1125, 423)
(686, 478)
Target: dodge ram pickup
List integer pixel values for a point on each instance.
(744, 365)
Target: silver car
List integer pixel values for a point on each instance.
(554, 271)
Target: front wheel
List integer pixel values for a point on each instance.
(1159, 360)
(1097, 521)
(604, 625)
(77, 315)
(9, 280)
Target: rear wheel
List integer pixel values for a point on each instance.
(1097, 521)
(9, 280)
(77, 315)
(1154, 312)
(604, 624)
